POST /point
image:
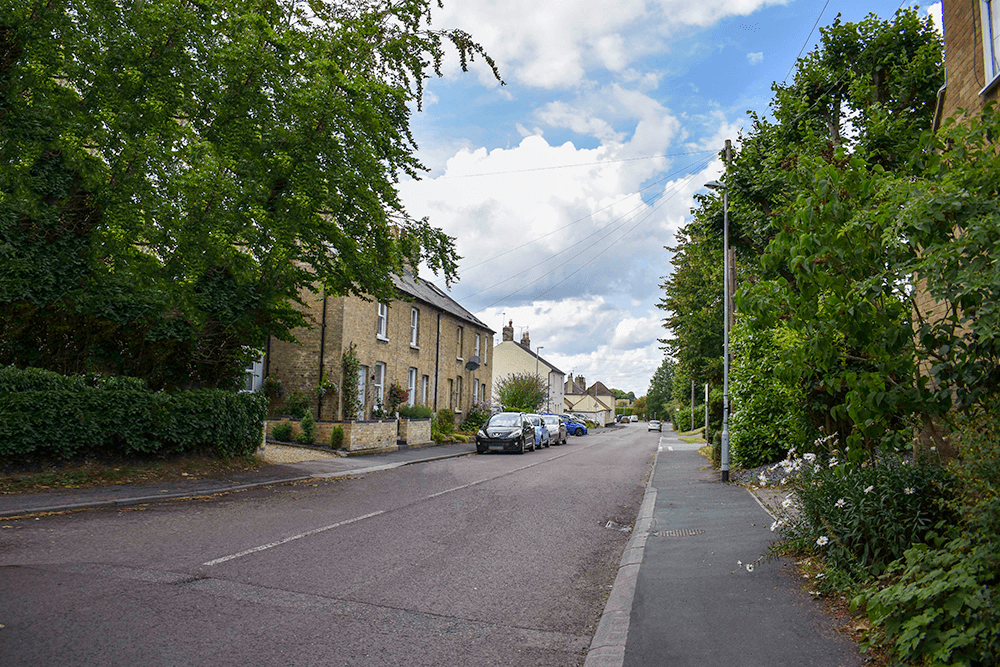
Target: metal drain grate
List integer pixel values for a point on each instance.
(680, 532)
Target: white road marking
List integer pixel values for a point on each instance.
(290, 539)
(315, 531)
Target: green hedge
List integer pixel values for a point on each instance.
(44, 414)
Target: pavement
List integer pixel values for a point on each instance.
(682, 595)
(124, 495)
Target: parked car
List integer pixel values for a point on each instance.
(506, 432)
(654, 425)
(634, 418)
(541, 432)
(557, 429)
(573, 427)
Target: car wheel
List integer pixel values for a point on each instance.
(524, 445)
(579, 432)
(533, 446)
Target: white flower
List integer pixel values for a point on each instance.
(822, 541)
(739, 563)
(749, 567)
(816, 467)
(840, 503)
(833, 462)
(784, 479)
(933, 449)
(870, 489)
(774, 526)
(820, 575)
(786, 503)
(809, 457)
(763, 479)
(908, 491)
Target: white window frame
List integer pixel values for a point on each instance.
(458, 343)
(378, 383)
(254, 378)
(411, 386)
(425, 385)
(478, 342)
(382, 322)
(989, 20)
(475, 389)
(414, 327)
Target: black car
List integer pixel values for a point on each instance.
(506, 432)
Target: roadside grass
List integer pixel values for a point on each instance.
(75, 474)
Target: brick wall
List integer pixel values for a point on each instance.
(964, 57)
(352, 319)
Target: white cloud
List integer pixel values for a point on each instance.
(935, 12)
(563, 39)
(754, 58)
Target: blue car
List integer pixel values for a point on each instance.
(573, 427)
(541, 431)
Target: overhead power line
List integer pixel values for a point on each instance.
(568, 166)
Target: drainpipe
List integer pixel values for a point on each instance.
(940, 103)
(437, 362)
(322, 347)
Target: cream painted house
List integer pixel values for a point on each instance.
(511, 358)
(596, 402)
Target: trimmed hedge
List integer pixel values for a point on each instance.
(44, 414)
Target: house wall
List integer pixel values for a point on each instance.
(352, 319)
(964, 58)
(510, 358)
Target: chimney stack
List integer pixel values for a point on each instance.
(508, 331)
(525, 341)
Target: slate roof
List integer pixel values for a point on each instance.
(432, 295)
(539, 357)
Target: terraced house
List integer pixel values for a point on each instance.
(424, 341)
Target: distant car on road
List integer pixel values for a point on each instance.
(506, 432)
(573, 427)
(654, 425)
(557, 429)
(634, 418)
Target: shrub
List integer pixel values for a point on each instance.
(308, 426)
(297, 404)
(521, 392)
(415, 412)
(943, 609)
(43, 414)
(337, 437)
(862, 517)
(445, 421)
(282, 432)
(771, 418)
(478, 414)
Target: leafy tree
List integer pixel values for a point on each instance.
(660, 389)
(521, 392)
(811, 252)
(174, 174)
(639, 407)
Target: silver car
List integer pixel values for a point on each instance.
(654, 425)
(557, 429)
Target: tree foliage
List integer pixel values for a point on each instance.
(660, 389)
(521, 392)
(172, 174)
(820, 252)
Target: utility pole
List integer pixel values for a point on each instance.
(707, 440)
(692, 405)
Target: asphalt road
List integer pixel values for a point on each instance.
(478, 560)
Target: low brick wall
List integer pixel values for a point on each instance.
(322, 429)
(415, 432)
(370, 436)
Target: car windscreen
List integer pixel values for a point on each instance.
(551, 421)
(505, 420)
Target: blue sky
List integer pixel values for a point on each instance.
(563, 186)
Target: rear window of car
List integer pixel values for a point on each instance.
(554, 421)
(505, 420)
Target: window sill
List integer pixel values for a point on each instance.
(414, 347)
(991, 86)
(381, 338)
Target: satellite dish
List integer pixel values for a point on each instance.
(472, 364)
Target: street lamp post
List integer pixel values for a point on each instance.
(538, 352)
(715, 185)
